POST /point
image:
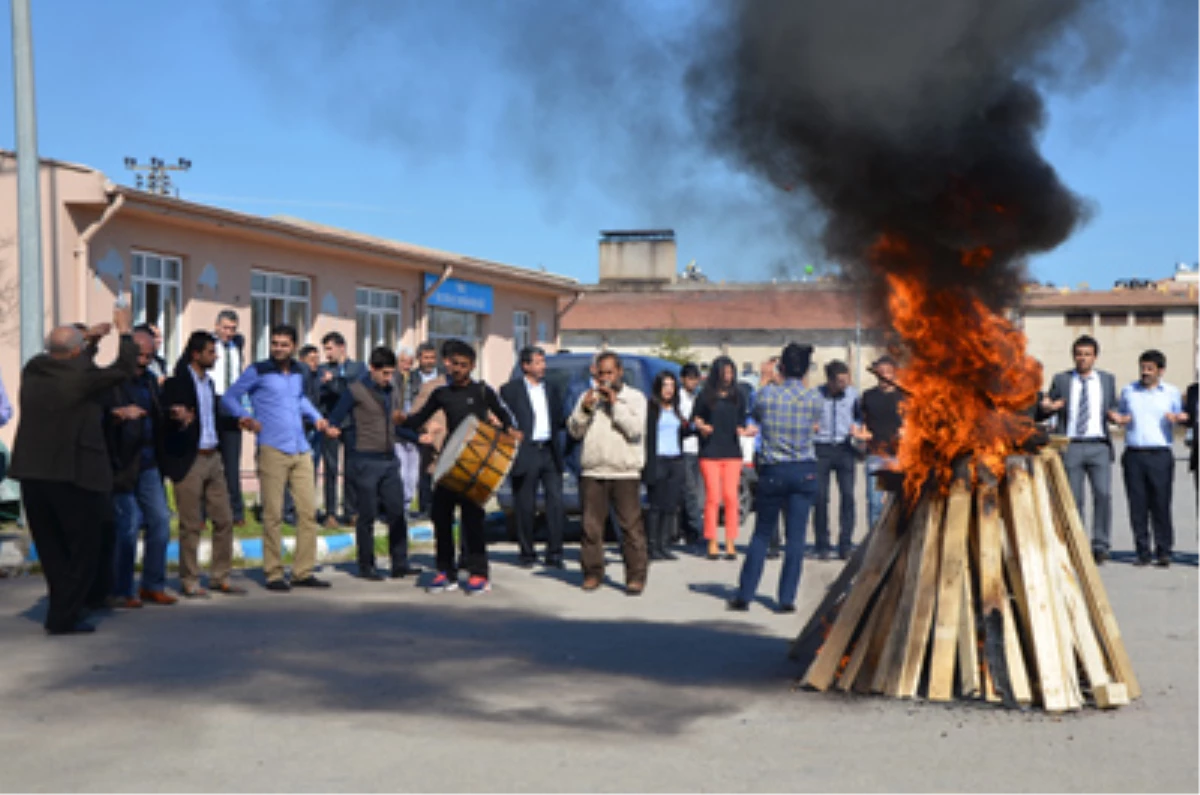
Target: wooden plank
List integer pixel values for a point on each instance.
(1047, 537)
(1079, 548)
(805, 646)
(872, 676)
(1113, 694)
(1027, 552)
(863, 644)
(921, 588)
(949, 592)
(992, 593)
(882, 550)
(968, 638)
(1014, 658)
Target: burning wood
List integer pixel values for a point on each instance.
(985, 592)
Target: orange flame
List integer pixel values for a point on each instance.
(966, 371)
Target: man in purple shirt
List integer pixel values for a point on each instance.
(276, 391)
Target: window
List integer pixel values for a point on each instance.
(1078, 318)
(1114, 318)
(378, 315)
(1148, 318)
(156, 296)
(275, 299)
(447, 324)
(521, 331)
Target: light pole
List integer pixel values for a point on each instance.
(29, 204)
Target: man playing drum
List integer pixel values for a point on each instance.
(463, 397)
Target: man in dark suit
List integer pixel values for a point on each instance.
(61, 459)
(192, 460)
(1082, 402)
(336, 375)
(537, 408)
(229, 363)
(1190, 407)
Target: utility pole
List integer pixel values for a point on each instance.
(29, 203)
(158, 181)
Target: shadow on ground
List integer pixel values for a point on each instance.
(447, 657)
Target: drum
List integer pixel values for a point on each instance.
(475, 460)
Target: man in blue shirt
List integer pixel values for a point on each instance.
(276, 391)
(786, 413)
(1149, 409)
(835, 456)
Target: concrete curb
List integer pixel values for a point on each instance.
(330, 547)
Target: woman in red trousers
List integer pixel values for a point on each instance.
(720, 418)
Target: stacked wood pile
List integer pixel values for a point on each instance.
(990, 593)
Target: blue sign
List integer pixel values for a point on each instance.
(460, 295)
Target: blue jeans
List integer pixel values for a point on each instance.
(875, 495)
(788, 487)
(146, 504)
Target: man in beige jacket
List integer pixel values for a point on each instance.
(609, 421)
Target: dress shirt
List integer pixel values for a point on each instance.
(786, 414)
(687, 402)
(1149, 427)
(427, 377)
(1095, 422)
(279, 404)
(668, 434)
(6, 409)
(541, 411)
(227, 367)
(206, 409)
(836, 414)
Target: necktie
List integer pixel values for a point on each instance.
(1084, 411)
(228, 366)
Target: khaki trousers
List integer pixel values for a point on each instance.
(204, 491)
(277, 470)
(625, 498)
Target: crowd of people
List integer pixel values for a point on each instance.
(95, 447)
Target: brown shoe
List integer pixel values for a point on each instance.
(157, 597)
(331, 523)
(591, 583)
(227, 589)
(194, 592)
(126, 603)
(635, 588)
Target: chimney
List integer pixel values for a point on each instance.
(636, 259)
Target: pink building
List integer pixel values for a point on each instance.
(182, 262)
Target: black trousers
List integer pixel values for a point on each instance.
(834, 459)
(425, 482)
(331, 454)
(665, 494)
(377, 482)
(1149, 478)
(65, 522)
(471, 516)
(540, 470)
(231, 459)
(106, 558)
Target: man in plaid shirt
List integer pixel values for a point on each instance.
(786, 413)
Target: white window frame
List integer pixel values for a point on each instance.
(372, 309)
(522, 330)
(292, 293)
(149, 269)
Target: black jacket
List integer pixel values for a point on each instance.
(516, 396)
(1189, 405)
(330, 392)
(650, 468)
(180, 444)
(126, 439)
(60, 435)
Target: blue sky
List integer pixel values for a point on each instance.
(414, 134)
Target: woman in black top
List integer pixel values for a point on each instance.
(720, 418)
(664, 472)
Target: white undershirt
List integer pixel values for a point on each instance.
(1095, 426)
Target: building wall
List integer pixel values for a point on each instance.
(1050, 339)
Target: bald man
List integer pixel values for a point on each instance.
(61, 460)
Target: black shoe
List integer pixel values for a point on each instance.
(656, 555)
(555, 562)
(785, 609)
(369, 573)
(844, 554)
(713, 556)
(527, 561)
(78, 628)
(1099, 555)
(1142, 560)
(278, 585)
(773, 554)
(405, 570)
(823, 554)
(668, 555)
(311, 582)
(1163, 561)
(738, 605)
